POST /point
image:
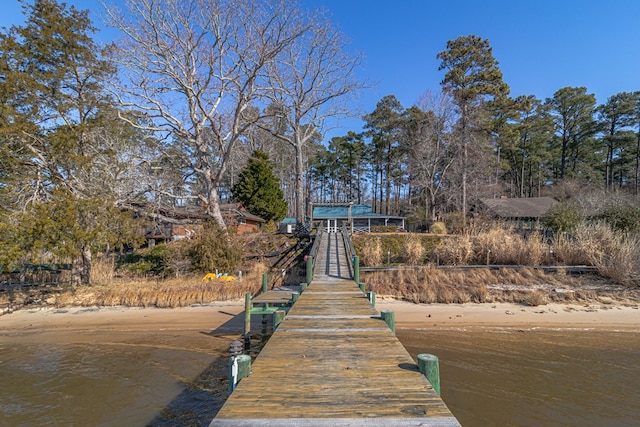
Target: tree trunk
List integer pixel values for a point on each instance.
(81, 271)
(213, 208)
(299, 185)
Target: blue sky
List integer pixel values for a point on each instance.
(541, 46)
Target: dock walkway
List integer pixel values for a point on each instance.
(334, 362)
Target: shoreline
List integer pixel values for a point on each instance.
(225, 317)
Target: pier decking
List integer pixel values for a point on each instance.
(334, 362)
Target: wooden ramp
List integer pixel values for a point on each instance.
(334, 362)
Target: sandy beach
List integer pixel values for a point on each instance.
(225, 318)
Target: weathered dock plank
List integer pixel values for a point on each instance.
(334, 361)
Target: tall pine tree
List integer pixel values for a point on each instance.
(258, 189)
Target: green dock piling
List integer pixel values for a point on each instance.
(429, 366)
(242, 370)
(278, 317)
(356, 269)
(309, 269)
(389, 318)
(372, 298)
(247, 317)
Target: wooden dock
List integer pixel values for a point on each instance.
(334, 362)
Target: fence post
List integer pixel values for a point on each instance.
(429, 366)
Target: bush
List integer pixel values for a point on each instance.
(455, 222)
(155, 260)
(384, 228)
(564, 217)
(622, 218)
(216, 250)
(438, 228)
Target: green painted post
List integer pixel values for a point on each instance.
(309, 269)
(278, 317)
(294, 297)
(389, 318)
(265, 283)
(429, 366)
(303, 287)
(247, 315)
(356, 269)
(372, 299)
(242, 369)
(362, 287)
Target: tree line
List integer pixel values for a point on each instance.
(95, 138)
(473, 140)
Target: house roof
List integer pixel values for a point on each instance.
(239, 211)
(330, 211)
(530, 207)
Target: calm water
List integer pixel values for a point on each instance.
(536, 378)
(499, 378)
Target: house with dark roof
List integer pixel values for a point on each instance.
(525, 211)
(237, 216)
(360, 217)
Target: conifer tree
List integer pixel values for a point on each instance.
(258, 189)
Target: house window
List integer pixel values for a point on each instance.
(241, 221)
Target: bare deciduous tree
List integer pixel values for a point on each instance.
(194, 68)
(311, 80)
(427, 135)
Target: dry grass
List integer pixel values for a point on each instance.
(614, 254)
(168, 293)
(454, 251)
(523, 286)
(413, 250)
(371, 252)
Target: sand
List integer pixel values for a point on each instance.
(225, 318)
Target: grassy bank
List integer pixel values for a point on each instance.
(164, 277)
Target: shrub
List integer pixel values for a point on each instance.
(455, 222)
(384, 229)
(563, 217)
(622, 218)
(216, 250)
(438, 228)
(155, 260)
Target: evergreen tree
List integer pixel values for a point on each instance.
(472, 78)
(56, 162)
(258, 189)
